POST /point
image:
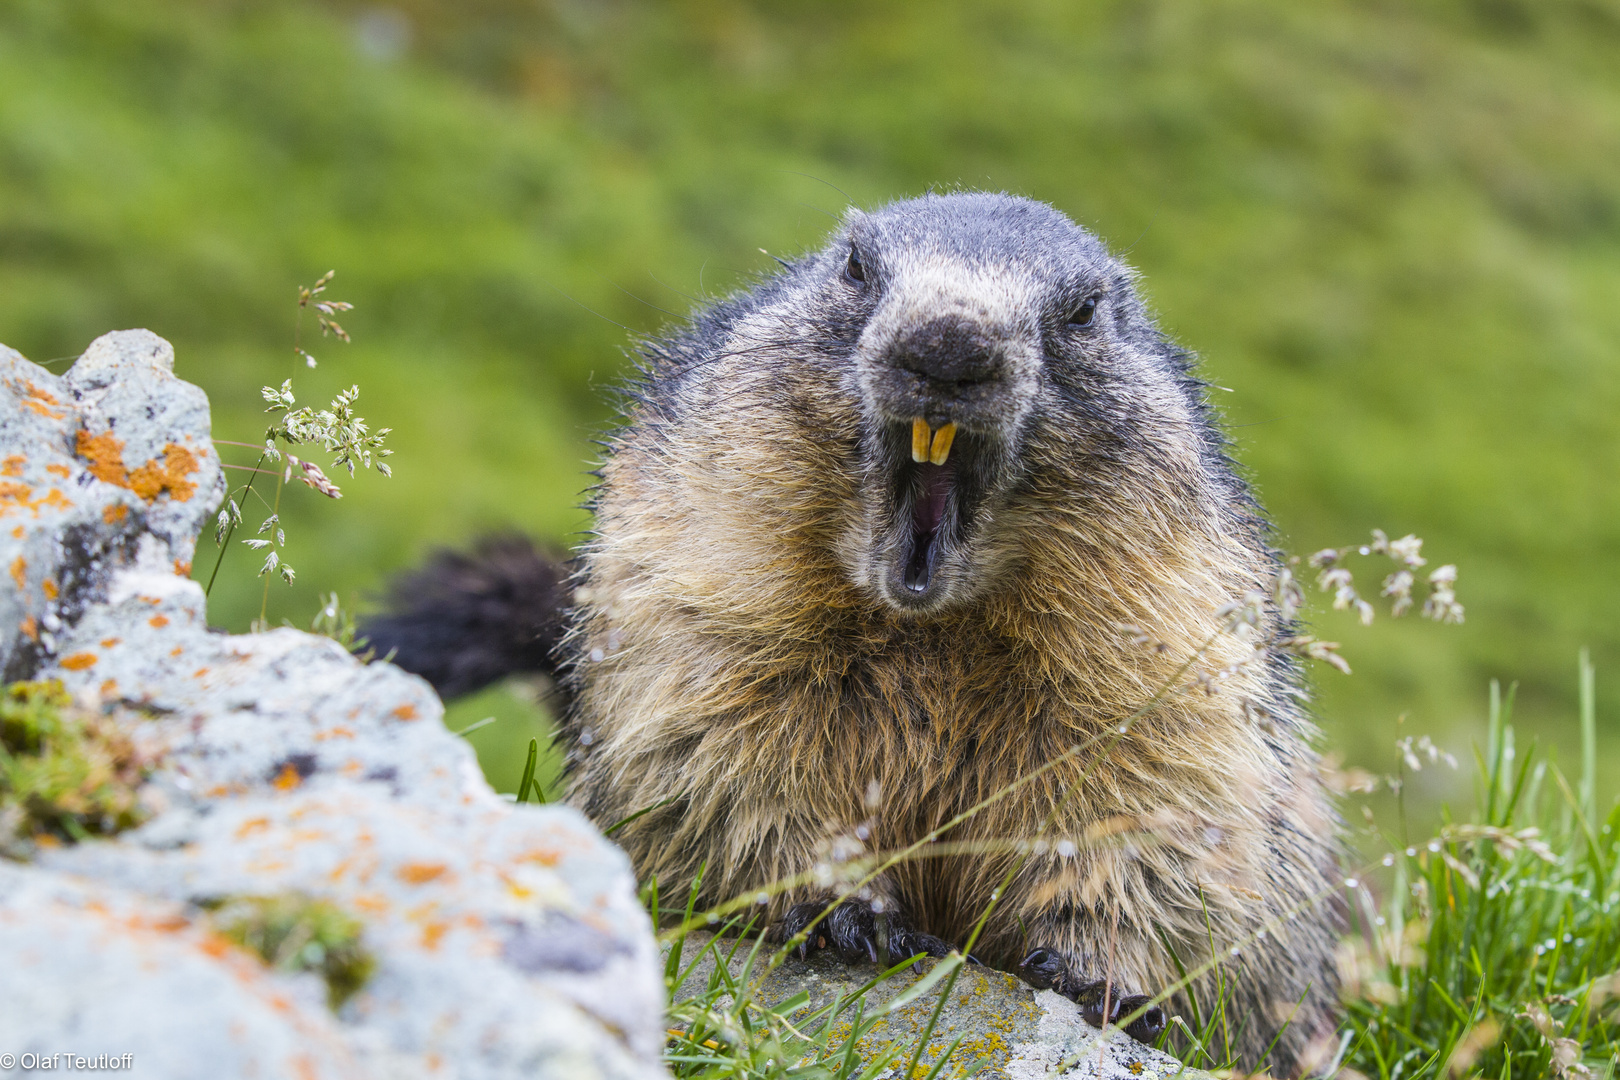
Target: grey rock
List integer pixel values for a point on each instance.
(509, 940)
(104, 468)
(1009, 1029)
(109, 956)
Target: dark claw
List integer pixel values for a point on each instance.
(851, 930)
(905, 942)
(797, 918)
(1147, 1027)
(1045, 969)
(1091, 997)
(1048, 969)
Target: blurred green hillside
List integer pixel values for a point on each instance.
(1391, 229)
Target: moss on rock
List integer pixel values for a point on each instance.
(66, 773)
(293, 932)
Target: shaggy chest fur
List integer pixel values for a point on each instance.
(805, 730)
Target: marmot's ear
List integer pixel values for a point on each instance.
(465, 620)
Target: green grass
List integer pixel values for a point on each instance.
(516, 720)
(1392, 230)
(1494, 947)
(720, 1029)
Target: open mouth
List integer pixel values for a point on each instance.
(929, 482)
(928, 513)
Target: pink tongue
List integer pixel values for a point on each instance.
(930, 509)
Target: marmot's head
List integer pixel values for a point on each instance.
(981, 363)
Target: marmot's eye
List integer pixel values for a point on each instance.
(1084, 313)
(855, 270)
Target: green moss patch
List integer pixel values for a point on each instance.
(293, 932)
(66, 774)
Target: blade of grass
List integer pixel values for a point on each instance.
(528, 771)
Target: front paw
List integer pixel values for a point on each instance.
(1048, 969)
(851, 930)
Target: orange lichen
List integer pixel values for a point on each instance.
(29, 627)
(406, 711)
(51, 591)
(199, 673)
(38, 399)
(419, 873)
(335, 733)
(105, 453)
(59, 470)
(19, 572)
(177, 650)
(19, 532)
(151, 480)
(14, 494)
(251, 826)
(109, 687)
(182, 569)
(168, 924)
(109, 642)
(287, 778)
(432, 932)
(158, 622)
(13, 465)
(114, 513)
(79, 661)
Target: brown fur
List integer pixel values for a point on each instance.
(732, 651)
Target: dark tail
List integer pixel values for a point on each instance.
(465, 620)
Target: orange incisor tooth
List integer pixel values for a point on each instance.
(921, 433)
(941, 449)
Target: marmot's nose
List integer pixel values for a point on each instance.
(949, 349)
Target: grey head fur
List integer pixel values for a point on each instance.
(992, 313)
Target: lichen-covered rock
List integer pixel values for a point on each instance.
(508, 940)
(114, 973)
(105, 467)
(1015, 1032)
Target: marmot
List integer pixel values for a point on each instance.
(872, 542)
